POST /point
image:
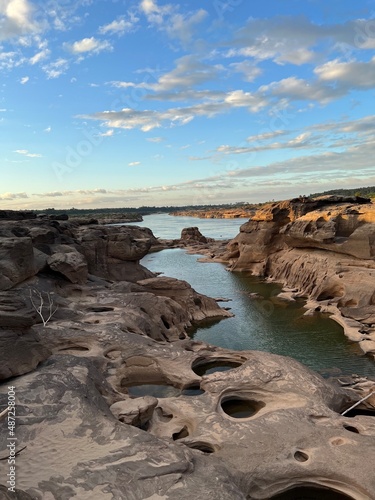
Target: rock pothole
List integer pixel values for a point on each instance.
(207, 367)
(301, 456)
(155, 390)
(311, 493)
(203, 446)
(239, 407)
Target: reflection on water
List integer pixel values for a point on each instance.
(265, 323)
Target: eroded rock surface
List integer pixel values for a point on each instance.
(324, 248)
(265, 425)
(75, 410)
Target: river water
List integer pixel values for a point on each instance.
(267, 323)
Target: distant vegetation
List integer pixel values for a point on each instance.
(135, 212)
(366, 192)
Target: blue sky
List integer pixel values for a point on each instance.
(148, 102)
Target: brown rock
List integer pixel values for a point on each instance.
(191, 234)
(135, 412)
(72, 265)
(20, 352)
(16, 261)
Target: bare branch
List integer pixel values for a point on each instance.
(38, 304)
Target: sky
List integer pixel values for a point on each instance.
(129, 103)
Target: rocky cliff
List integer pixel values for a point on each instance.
(83, 327)
(322, 248)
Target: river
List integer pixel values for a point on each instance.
(268, 323)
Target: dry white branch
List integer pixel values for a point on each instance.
(38, 303)
(4, 413)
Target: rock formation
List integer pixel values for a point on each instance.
(264, 427)
(323, 248)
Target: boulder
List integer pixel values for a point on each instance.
(136, 411)
(21, 350)
(16, 261)
(192, 234)
(114, 252)
(198, 306)
(72, 265)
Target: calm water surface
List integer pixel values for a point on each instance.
(268, 323)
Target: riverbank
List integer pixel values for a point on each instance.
(322, 249)
(217, 213)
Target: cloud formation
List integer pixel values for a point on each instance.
(91, 45)
(25, 152)
(16, 19)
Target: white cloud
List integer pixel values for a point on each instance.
(189, 71)
(13, 196)
(40, 56)
(119, 26)
(24, 80)
(153, 139)
(48, 129)
(108, 133)
(25, 152)
(248, 69)
(56, 68)
(88, 45)
(134, 163)
(293, 39)
(168, 19)
(148, 119)
(16, 19)
(266, 136)
(353, 74)
(122, 85)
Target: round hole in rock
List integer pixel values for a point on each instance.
(193, 390)
(74, 348)
(183, 433)
(240, 407)
(201, 446)
(301, 456)
(311, 493)
(163, 416)
(207, 367)
(100, 309)
(156, 390)
(351, 428)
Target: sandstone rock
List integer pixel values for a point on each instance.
(135, 412)
(76, 448)
(72, 265)
(17, 214)
(5, 494)
(191, 234)
(324, 247)
(109, 250)
(20, 352)
(15, 311)
(198, 306)
(16, 261)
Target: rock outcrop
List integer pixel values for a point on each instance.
(192, 234)
(324, 248)
(263, 427)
